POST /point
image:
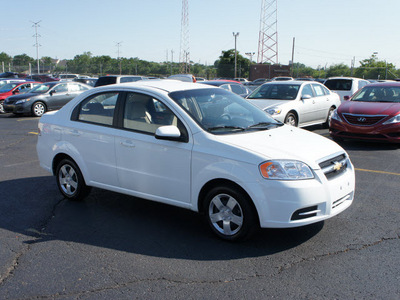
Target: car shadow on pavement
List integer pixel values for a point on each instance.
(124, 223)
(367, 146)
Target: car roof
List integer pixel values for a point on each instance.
(289, 82)
(166, 85)
(385, 84)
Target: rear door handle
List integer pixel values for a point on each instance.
(74, 132)
(128, 143)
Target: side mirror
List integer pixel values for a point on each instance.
(52, 92)
(346, 98)
(305, 97)
(15, 92)
(170, 132)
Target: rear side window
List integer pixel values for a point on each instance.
(339, 84)
(319, 91)
(99, 109)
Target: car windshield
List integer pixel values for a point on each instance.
(378, 94)
(275, 91)
(8, 87)
(219, 111)
(42, 88)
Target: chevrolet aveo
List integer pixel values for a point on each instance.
(197, 147)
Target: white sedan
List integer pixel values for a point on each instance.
(297, 103)
(198, 147)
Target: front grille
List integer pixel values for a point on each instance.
(334, 166)
(363, 120)
(362, 135)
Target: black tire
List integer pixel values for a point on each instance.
(38, 109)
(229, 213)
(2, 107)
(328, 118)
(70, 181)
(291, 119)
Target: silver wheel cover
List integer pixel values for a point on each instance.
(38, 108)
(291, 121)
(68, 180)
(225, 214)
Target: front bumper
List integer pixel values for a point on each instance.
(284, 204)
(16, 109)
(380, 133)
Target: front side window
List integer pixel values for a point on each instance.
(145, 114)
(98, 109)
(62, 88)
(307, 90)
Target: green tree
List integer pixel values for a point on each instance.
(372, 68)
(338, 70)
(226, 65)
(22, 60)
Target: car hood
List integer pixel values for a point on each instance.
(369, 108)
(22, 96)
(286, 142)
(266, 103)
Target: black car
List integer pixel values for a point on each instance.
(44, 97)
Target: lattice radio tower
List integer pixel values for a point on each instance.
(268, 37)
(184, 57)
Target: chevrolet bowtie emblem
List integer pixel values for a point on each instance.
(337, 166)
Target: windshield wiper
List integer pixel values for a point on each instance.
(264, 125)
(226, 127)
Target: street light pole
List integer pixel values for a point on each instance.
(235, 35)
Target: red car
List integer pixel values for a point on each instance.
(15, 88)
(371, 114)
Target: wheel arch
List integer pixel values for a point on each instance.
(222, 182)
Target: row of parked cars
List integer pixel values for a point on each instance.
(295, 102)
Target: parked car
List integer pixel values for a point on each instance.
(44, 97)
(282, 78)
(297, 103)
(68, 77)
(183, 77)
(233, 86)
(115, 79)
(345, 86)
(4, 81)
(42, 78)
(372, 114)
(241, 80)
(15, 88)
(197, 147)
(88, 81)
(11, 75)
(257, 82)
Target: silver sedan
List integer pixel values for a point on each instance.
(297, 103)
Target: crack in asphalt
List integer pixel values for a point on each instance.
(355, 247)
(39, 237)
(189, 282)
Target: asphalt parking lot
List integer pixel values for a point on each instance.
(113, 246)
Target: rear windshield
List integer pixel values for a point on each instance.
(339, 84)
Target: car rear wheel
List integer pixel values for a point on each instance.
(291, 119)
(38, 109)
(70, 181)
(230, 214)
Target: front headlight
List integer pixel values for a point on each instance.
(22, 101)
(285, 170)
(335, 116)
(395, 119)
(273, 111)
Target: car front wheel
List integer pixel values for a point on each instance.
(291, 119)
(230, 214)
(2, 111)
(70, 180)
(38, 109)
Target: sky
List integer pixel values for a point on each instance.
(326, 32)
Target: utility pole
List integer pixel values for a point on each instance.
(235, 35)
(120, 67)
(294, 39)
(268, 35)
(36, 36)
(184, 57)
